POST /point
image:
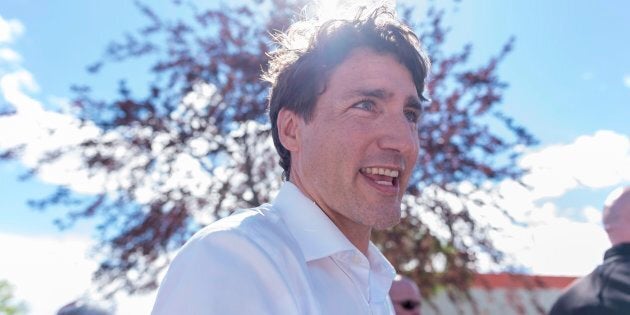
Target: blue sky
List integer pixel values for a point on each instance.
(569, 79)
(566, 72)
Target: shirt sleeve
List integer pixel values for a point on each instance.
(224, 272)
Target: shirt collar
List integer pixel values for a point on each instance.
(319, 237)
(622, 249)
(315, 233)
(382, 276)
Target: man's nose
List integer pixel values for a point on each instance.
(398, 134)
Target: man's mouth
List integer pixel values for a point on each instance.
(382, 176)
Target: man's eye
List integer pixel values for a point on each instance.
(412, 115)
(365, 105)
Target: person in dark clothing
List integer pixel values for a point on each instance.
(83, 306)
(605, 291)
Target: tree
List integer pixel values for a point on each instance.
(196, 145)
(8, 305)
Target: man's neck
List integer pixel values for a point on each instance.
(357, 234)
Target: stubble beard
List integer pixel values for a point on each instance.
(378, 217)
(391, 219)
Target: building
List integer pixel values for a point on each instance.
(502, 294)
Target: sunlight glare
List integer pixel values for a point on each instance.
(344, 9)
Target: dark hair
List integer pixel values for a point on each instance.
(310, 51)
(82, 307)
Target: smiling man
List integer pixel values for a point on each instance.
(344, 107)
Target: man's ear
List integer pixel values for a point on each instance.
(288, 123)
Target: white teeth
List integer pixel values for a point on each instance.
(385, 183)
(381, 171)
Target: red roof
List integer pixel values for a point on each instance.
(515, 281)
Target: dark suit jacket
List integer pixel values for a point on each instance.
(605, 291)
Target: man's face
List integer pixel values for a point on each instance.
(357, 152)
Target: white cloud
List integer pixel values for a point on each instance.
(9, 30)
(49, 272)
(593, 161)
(38, 129)
(61, 104)
(550, 243)
(626, 80)
(564, 247)
(544, 242)
(43, 131)
(15, 86)
(9, 55)
(592, 215)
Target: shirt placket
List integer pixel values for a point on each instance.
(357, 268)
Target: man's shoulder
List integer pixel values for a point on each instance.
(580, 295)
(248, 252)
(244, 221)
(610, 280)
(616, 292)
(260, 227)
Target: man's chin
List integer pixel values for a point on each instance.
(386, 223)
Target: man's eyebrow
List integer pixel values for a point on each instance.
(414, 102)
(376, 93)
(382, 94)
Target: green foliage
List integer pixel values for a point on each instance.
(8, 304)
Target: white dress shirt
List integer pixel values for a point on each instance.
(284, 258)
